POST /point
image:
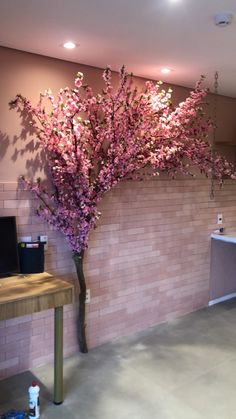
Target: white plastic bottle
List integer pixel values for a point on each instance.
(34, 409)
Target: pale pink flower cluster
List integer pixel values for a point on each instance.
(93, 141)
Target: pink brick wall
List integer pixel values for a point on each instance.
(147, 262)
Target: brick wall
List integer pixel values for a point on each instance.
(147, 262)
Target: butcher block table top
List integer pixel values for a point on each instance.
(27, 294)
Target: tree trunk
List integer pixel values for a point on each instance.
(78, 259)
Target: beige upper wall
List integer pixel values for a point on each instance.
(30, 74)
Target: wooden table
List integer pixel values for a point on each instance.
(26, 294)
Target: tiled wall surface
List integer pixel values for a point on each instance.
(147, 262)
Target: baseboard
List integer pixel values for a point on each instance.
(221, 299)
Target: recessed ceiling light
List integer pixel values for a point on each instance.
(69, 45)
(166, 70)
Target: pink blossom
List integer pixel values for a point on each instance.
(95, 141)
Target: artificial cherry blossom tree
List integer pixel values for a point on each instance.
(92, 142)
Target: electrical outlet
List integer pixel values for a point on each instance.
(88, 296)
(44, 239)
(219, 218)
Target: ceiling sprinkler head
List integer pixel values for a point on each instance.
(223, 19)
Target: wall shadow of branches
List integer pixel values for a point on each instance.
(4, 144)
(28, 147)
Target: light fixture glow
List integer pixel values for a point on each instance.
(165, 70)
(69, 45)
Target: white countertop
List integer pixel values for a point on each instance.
(226, 237)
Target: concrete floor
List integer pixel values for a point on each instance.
(185, 369)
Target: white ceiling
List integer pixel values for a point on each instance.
(145, 35)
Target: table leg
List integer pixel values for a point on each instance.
(58, 355)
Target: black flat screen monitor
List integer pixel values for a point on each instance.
(9, 263)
